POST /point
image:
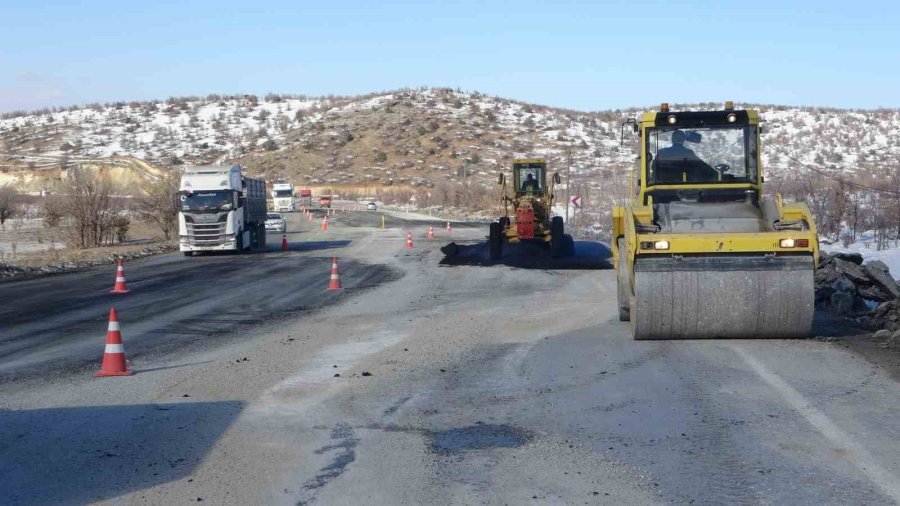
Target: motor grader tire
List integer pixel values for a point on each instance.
(495, 240)
(557, 237)
(504, 223)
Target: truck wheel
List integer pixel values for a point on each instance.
(557, 237)
(623, 283)
(570, 246)
(262, 237)
(257, 238)
(496, 240)
(188, 253)
(239, 242)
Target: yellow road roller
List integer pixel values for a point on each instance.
(699, 251)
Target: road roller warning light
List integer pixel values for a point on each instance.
(732, 273)
(794, 243)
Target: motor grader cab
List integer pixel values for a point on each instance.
(699, 251)
(531, 204)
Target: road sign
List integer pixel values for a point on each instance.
(576, 201)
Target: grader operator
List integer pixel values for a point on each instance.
(700, 252)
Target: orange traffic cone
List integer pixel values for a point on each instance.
(430, 232)
(284, 246)
(409, 243)
(120, 280)
(448, 227)
(325, 223)
(335, 283)
(114, 354)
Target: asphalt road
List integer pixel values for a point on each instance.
(57, 324)
(449, 384)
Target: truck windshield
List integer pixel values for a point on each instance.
(207, 202)
(283, 193)
(702, 155)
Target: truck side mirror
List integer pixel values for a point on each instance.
(500, 179)
(556, 178)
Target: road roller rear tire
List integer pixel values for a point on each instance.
(623, 283)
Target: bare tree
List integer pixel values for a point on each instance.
(89, 199)
(160, 206)
(8, 206)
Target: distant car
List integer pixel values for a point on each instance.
(371, 207)
(275, 221)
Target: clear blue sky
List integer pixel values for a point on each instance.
(582, 55)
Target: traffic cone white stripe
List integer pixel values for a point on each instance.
(115, 348)
(120, 279)
(113, 326)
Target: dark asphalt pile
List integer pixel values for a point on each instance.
(866, 291)
(529, 255)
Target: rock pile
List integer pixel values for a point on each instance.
(866, 291)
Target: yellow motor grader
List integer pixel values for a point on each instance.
(532, 203)
(700, 252)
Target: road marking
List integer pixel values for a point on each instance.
(864, 461)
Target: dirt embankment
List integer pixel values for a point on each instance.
(70, 260)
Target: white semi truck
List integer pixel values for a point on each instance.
(283, 198)
(221, 210)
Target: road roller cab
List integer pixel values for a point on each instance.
(700, 252)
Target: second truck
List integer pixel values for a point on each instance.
(283, 199)
(700, 252)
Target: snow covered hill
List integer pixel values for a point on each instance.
(415, 138)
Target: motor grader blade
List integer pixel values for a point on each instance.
(722, 296)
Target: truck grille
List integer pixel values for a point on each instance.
(206, 234)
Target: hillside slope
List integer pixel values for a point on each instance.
(415, 139)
